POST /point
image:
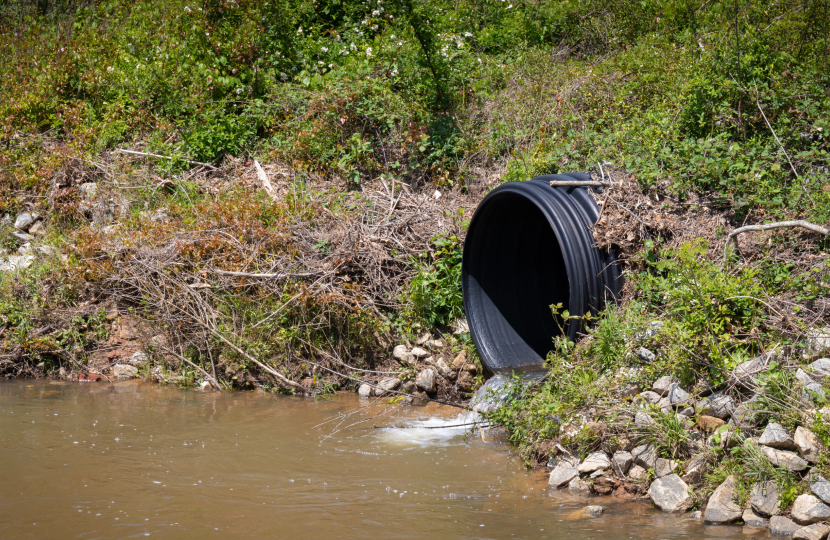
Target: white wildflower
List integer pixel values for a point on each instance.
(352, 47)
(369, 52)
(110, 69)
(325, 49)
(300, 30)
(467, 34)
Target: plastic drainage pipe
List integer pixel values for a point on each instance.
(529, 245)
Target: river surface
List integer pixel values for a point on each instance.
(132, 460)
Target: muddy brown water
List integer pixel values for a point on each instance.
(132, 460)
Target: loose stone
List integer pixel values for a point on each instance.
(443, 369)
(645, 355)
(746, 374)
(645, 456)
(721, 507)
(563, 473)
(418, 352)
(425, 380)
(643, 419)
(649, 397)
(802, 377)
(629, 390)
(24, 221)
(821, 488)
(696, 468)
(390, 383)
(781, 526)
(817, 342)
(401, 353)
(596, 511)
(662, 385)
(775, 436)
(817, 531)
(808, 443)
(460, 360)
(670, 494)
(717, 405)
(697, 514)
(598, 461)
(638, 473)
(579, 486)
(821, 367)
(784, 459)
(664, 467)
(764, 498)
(122, 371)
(709, 424)
(621, 462)
(754, 520)
(365, 391)
(677, 395)
(807, 510)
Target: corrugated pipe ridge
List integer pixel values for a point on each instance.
(529, 245)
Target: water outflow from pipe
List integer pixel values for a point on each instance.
(529, 245)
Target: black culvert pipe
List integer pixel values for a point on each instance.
(529, 245)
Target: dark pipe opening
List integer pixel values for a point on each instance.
(529, 246)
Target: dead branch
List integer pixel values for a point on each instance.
(266, 184)
(579, 183)
(733, 236)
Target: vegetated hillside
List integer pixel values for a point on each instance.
(361, 112)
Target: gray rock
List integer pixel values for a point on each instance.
(764, 498)
(753, 520)
(621, 462)
(594, 511)
(402, 354)
(784, 459)
(808, 509)
(697, 514)
(717, 405)
(688, 412)
(642, 419)
(677, 395)
(818, 341)
(638, 473)
(746, 374)
(721, 507)
(123, 371)
(409, 387)
(649, 397)
(781, 526)
(390, 383)
(661, 386)
(598, 461)
(816, 531)
(645, 456)
(89, 190)
(434, 344)
(775, 436)
(425, 380)
(364, 391)
(802, 377)
(418, 352)
(821, 367)
(665, 405)
(812, 391)
(645, 355)
(808, 443)
(22, 238)
(24, 221)
(696, 468)
(670, 494)
(579, 486)
(596, 474)
(138, 358)
(664, 467)
(821, 488)
(563, 473)
(443, 369)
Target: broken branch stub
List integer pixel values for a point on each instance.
(733, 236)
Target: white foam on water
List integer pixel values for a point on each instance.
(433, 431)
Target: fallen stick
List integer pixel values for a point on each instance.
(163, 157)
(733, 236)
(579, 183)
(269, 189)
(266, 276)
